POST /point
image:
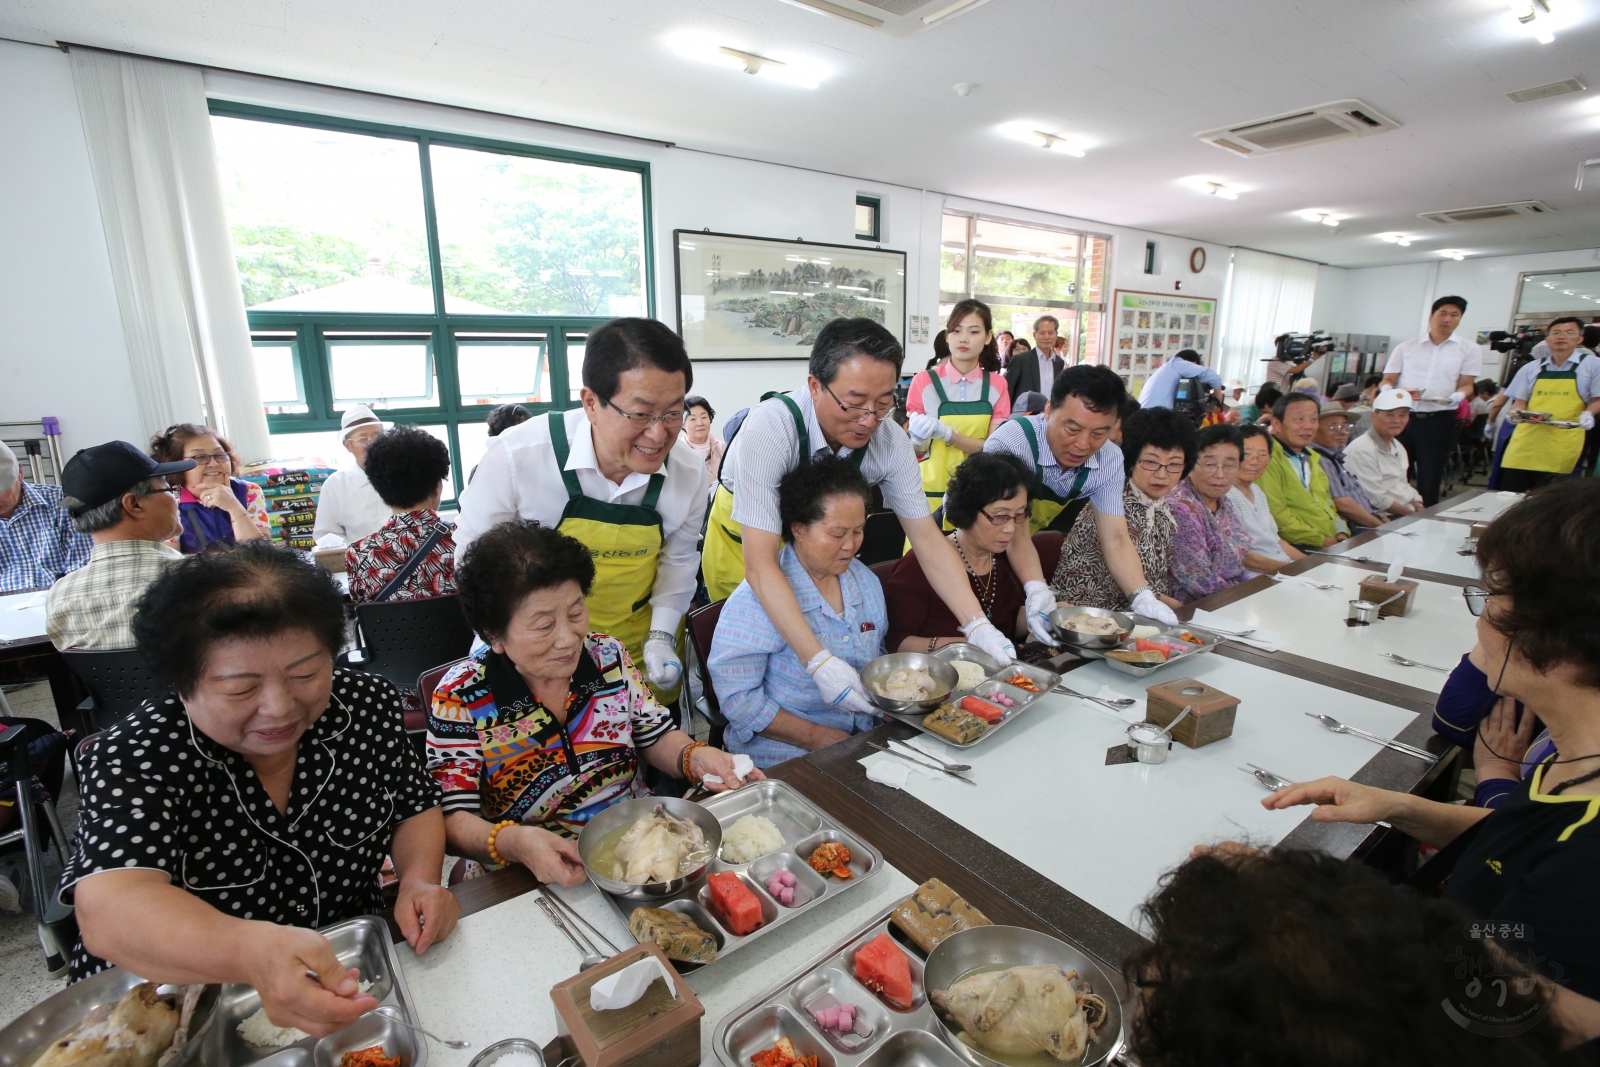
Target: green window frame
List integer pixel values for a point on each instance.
(308, 333)
(875, 205)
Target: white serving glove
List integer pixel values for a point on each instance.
(987, 636)
(661, 663)
(1455, 398)
(839, 683)
(1041, 602)
(925, 427)
(1150, 606)
(1586, 420)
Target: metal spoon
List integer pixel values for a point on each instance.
(591, 958)
(1303, 581)
(1399, 746)
(393, 1015)
(1341, 555)
(1115, 703)
(953, 767)
(1413, 663)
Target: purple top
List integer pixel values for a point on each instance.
(1208, 550)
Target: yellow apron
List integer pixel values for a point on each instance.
(1045, 504)
(1553, 449)
(722, 557)
(970, 417)
(624, 540)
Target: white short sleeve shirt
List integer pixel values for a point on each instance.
(1433, 369)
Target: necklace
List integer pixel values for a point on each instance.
(985, 596)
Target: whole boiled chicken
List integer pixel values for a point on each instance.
(659, 848)
(1023, 1010)
(132, 1034)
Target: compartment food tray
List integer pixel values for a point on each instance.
(1134, 670)
(900, 1038)
(804, 826)
(1042, 677)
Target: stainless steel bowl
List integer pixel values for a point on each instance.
(996, 947)
(940, 671)
(626, 814)
(1077, 640)
(53, 1018)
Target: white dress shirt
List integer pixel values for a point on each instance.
(1433, 370)
(1047, 371)
(349, 506)
(1381, 471)
(518, 478)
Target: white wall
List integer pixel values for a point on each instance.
(61, 351)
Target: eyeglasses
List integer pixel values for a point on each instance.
(1226, 466)
(1002, 521)
(214, 459)
(861, 414)
(1476, 597)
(173, 489)
(1564, 333)
(1175, 467)
(645, 419)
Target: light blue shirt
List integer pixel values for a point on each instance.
(38, 542)
(1586, 363)
(1162, 386)
(1103, 485)
(755, 673)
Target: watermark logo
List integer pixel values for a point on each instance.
(1491, 988)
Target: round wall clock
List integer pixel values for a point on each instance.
(1197, 260)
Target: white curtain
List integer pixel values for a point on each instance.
(155, 174)
(1266, 296)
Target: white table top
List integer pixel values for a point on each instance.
(21, 616)
(1107, 833)
(1482, 507)
(492, 978)
(1427, 544)
(1437, 628)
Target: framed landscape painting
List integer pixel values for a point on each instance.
(759, 298)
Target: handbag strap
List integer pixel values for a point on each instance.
(410, 565)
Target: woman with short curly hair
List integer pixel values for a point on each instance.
(545, 727)
(214, 506)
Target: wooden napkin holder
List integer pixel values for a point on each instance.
(1478, 529)
(1375, 591)
(654, 1031)
(1212, 717)
(330, 558)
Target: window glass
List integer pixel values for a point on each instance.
(324, 220)
(867, 218)
(502, 372)
(474, 438)
(532, 236)
(382, 374)
(1025, 262)
(953, 255)
(276, 377)
(324, 445)
(575, 347)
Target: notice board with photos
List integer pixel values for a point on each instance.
(1151, 328)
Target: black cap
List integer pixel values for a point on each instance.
(103, 473)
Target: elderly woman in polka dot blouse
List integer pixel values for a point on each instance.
(223, 825)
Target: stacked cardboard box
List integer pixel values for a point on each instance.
(291, 488)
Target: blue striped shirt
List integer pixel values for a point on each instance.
(1103, 486)
(38, 543)
(755, 673)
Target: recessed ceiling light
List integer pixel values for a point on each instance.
(783, 67)
(1401, 239)
(1457, 254)
(1318, 216)
(1029, 133)
(1567, 292)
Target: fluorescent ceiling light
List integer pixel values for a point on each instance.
(1029, 133)
(780, 67)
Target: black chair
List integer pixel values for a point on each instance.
(402, 639)
(884, 569)
(118, 683)
(884, 539)
(702, 627)
(33, 810)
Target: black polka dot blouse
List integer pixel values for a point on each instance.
(160, 795)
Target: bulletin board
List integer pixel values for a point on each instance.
(1151, 328)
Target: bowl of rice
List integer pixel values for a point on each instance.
(752, 837)
(908, 683)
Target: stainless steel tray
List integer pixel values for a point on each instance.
(1211, 642)
(804, 826)
(1043, 678)
(914, 1038)
(214, 1035)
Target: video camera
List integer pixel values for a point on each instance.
(1521, 342)
(1299, 347)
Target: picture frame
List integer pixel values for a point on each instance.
(741, 297)
(1194, 315)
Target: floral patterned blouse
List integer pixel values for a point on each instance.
(1210, 549)
(1083, 578)
(496, 751)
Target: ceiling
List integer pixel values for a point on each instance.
(1134, 81)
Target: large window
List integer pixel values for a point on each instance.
(429, 277)
(1023, 272)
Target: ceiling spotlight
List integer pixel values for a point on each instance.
(1567, 292)
(1056, 143)
(791, 70)
(1403, 240)
(964, 89)
(1534, 14)
(1456, 254)
(1319, 216)
(1218, 189)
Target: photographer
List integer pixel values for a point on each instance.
(1438, 371)
(1282, 372)
(1160, 390)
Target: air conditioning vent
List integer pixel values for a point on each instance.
(899, 7)
(1545, 92)
(1339, 120)
(898, 18)
(1487, 212)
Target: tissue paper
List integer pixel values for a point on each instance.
(628, 985)
(330, 540)
(1396, 569)
(889, 772)
(742, 766)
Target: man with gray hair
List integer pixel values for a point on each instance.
(125, 502)
(37, 541)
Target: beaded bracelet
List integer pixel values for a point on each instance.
(494, 853)
(687, 751)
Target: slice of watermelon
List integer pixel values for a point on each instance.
(882, 967)
(735, 905)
